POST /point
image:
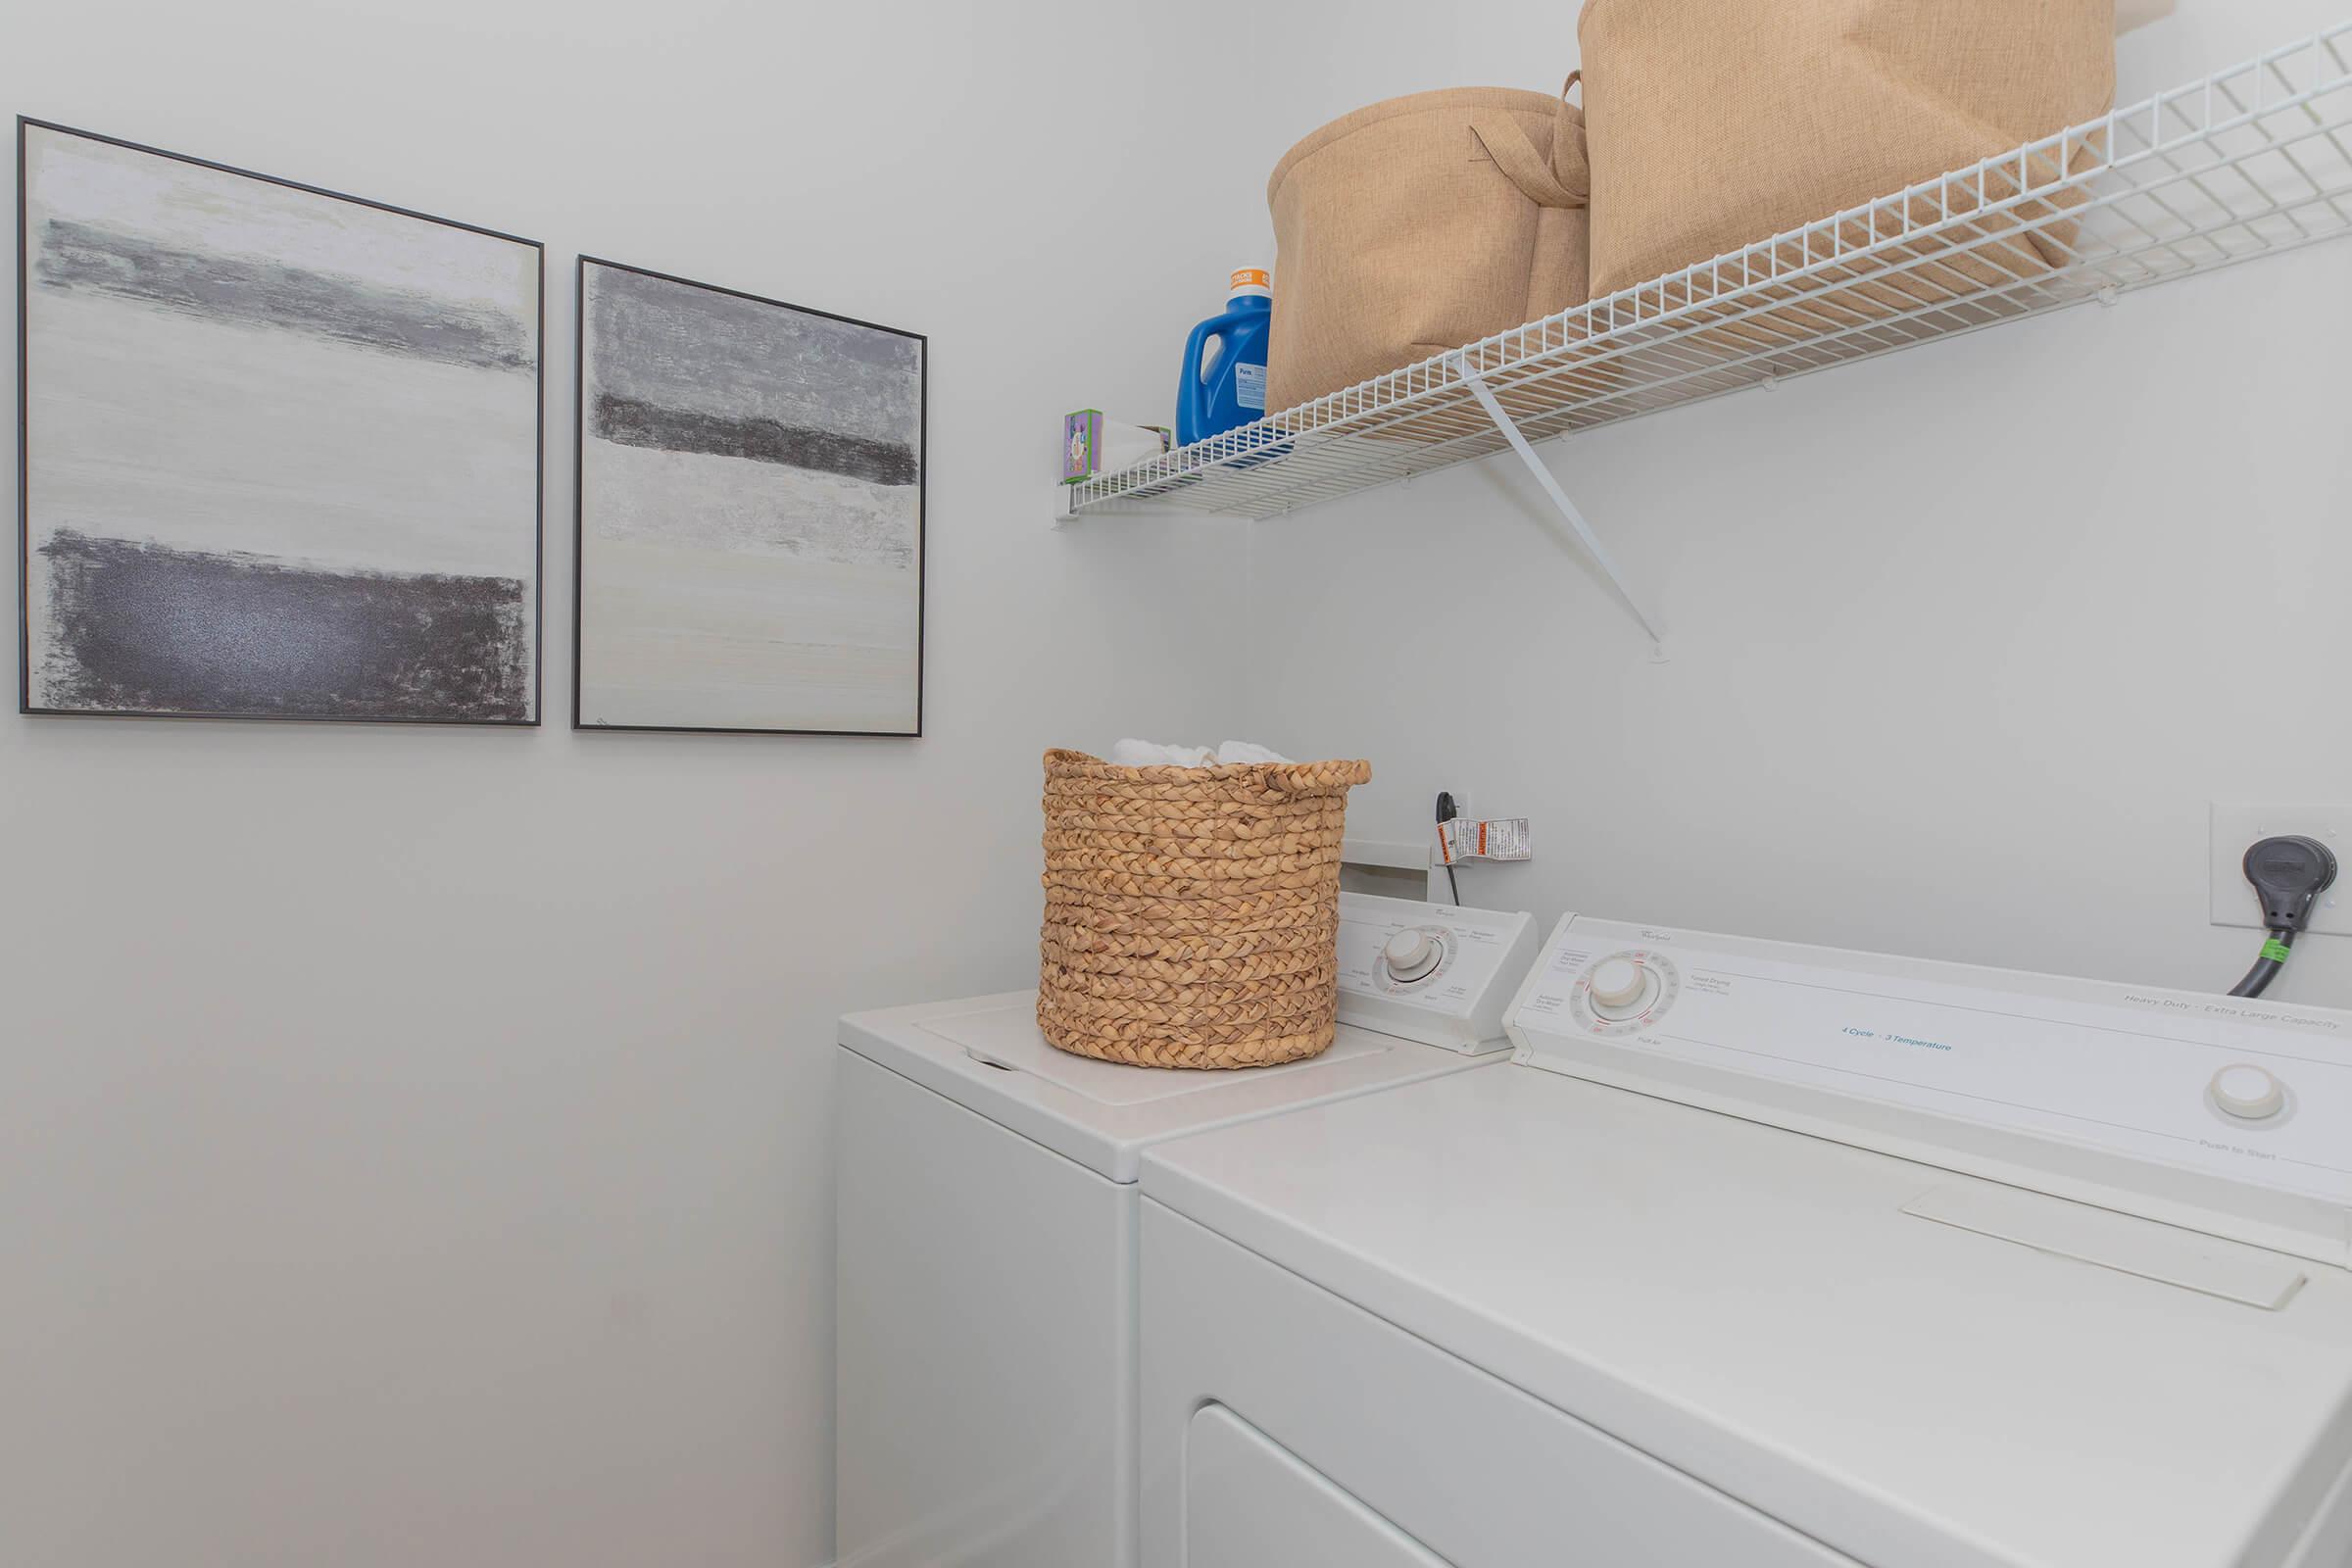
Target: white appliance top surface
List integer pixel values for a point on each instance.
(988, 1054)
(1755, 1307)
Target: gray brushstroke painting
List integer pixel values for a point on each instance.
(282, 448)
(751, 513)
(220, 634)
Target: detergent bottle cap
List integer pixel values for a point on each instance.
(1252, 282)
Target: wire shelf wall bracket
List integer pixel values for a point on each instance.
(1550, 484)
(2252, 161)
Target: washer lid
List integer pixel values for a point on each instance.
(988, 1054)
(1008, 1037)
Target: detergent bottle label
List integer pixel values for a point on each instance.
(1250, 386)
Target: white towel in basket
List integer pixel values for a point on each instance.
(1152, 754)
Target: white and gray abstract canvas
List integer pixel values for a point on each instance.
(751, 513)
(281, 448)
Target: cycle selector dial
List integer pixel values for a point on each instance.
(1618, 983)
(1625, 992)
(1412, 955)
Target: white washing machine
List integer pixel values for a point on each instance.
(988, 1335)
(1767, 1255)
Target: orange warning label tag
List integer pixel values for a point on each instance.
(1497, 838)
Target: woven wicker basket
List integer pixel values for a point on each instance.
(1192, 914)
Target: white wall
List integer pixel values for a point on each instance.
(1965, 639)
(414, 1144)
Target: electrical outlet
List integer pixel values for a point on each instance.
(2237, 828)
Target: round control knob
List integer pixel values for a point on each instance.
(2248, 1092)
(1618, 983)
(1411, 955)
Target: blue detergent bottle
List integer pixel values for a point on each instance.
(1224, 384)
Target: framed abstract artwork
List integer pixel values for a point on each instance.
(280, 449)
(750, 526)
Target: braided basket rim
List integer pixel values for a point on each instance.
(1330, 776)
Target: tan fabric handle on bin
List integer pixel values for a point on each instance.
(1524, 166)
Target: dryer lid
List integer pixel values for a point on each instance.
(1911, 1365)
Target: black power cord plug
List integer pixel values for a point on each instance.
(1447, 813)
(2288, 875)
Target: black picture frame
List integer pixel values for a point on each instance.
(580, 421)
(26, 125)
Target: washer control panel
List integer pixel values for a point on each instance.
(1429, 971)
(2235, 1113)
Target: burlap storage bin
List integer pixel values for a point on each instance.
(1716, 123)
(1192, 914)
(1418, 224)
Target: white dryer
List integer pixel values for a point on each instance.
(1769, 1255)
(987, 1237)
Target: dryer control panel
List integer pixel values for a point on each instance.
(1431, 972)
(2227, 1114)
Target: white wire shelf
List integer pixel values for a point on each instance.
(2250, 162)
